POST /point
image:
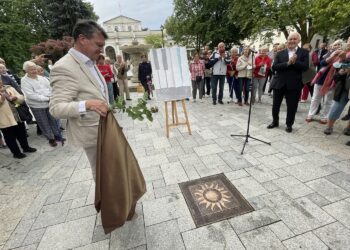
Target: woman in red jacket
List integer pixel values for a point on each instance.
(262, 66)
(107, 73)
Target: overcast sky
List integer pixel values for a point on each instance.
(152, 13)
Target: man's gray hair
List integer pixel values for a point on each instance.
(295, 33)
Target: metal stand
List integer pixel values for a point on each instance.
(247, 135)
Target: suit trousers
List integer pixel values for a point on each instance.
(292, 100)
(91, 153)
(123, 87)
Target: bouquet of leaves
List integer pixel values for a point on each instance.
(138, 111)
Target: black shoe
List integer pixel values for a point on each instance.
(348, 143)
(29, 150)
(289, 129)
(273, 125)
(345, 117)
(52, 142)
(128, 99)
(59, 138)
(214, 102)
(221, 102)
(19, 156)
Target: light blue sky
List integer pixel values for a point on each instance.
(152, 13)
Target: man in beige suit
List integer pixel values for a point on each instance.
(79, 91)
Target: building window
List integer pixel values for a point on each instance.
(129, 28)
(116, 28)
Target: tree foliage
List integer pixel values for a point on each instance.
(63, 14)
(21, 25)
(198, 22)
(27, 22)
(308, 17)
(154, 40)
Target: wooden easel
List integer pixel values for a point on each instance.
(175, 116)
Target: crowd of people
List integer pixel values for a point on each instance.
(287, 71)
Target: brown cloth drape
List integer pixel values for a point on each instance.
(119, 180)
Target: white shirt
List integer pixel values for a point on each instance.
(93, 70)
(292, 52)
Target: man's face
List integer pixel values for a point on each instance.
(92, 47)
(293, 41)
(221, 46)
(275, 47)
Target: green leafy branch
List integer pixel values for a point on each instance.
(139, 111)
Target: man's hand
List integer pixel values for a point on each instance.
(292, 59)
(97, 106)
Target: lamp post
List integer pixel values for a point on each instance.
(162, 28)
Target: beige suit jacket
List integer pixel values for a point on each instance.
(71, 83)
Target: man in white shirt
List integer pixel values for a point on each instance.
(79, 91)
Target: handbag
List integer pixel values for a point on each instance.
(24, 113)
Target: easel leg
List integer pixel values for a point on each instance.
(176, 116)
(173, 107)
(186, 116)
(166, 119)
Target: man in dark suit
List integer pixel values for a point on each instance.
(288, 65)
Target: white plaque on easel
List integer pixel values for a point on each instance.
(171, 75)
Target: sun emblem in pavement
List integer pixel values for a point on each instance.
(212, 195)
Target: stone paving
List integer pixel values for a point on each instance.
(299, 186)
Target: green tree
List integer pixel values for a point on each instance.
(63, 14)
(308, 17)
(154, 40)
(199, 22)
(22, 24)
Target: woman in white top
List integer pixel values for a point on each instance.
(37, 92)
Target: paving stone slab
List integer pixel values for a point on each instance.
(215, 236)
(81, 212)
(341, 211)
(101, 245)
(249, 187)
(261, 238)
(52, 215)
(173, 173)
(341, 180)
(253, 220)
(235, 161)
(305, 241)
(318, 199)
(281, 230)
(76, 190)
(308, 171)
(80, 175)
(208, 150)
(262, 173)
(335, 236)
(33, 237)
(328, 190)
(299, 215)
(164, 236)
(132, 234)
(68, 235)
(293, 187)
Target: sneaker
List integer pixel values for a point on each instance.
(345, 117)
(347, 131)
(52, 142)
(201, 101)
(19, 156)
(328, 131)
(29, 150)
